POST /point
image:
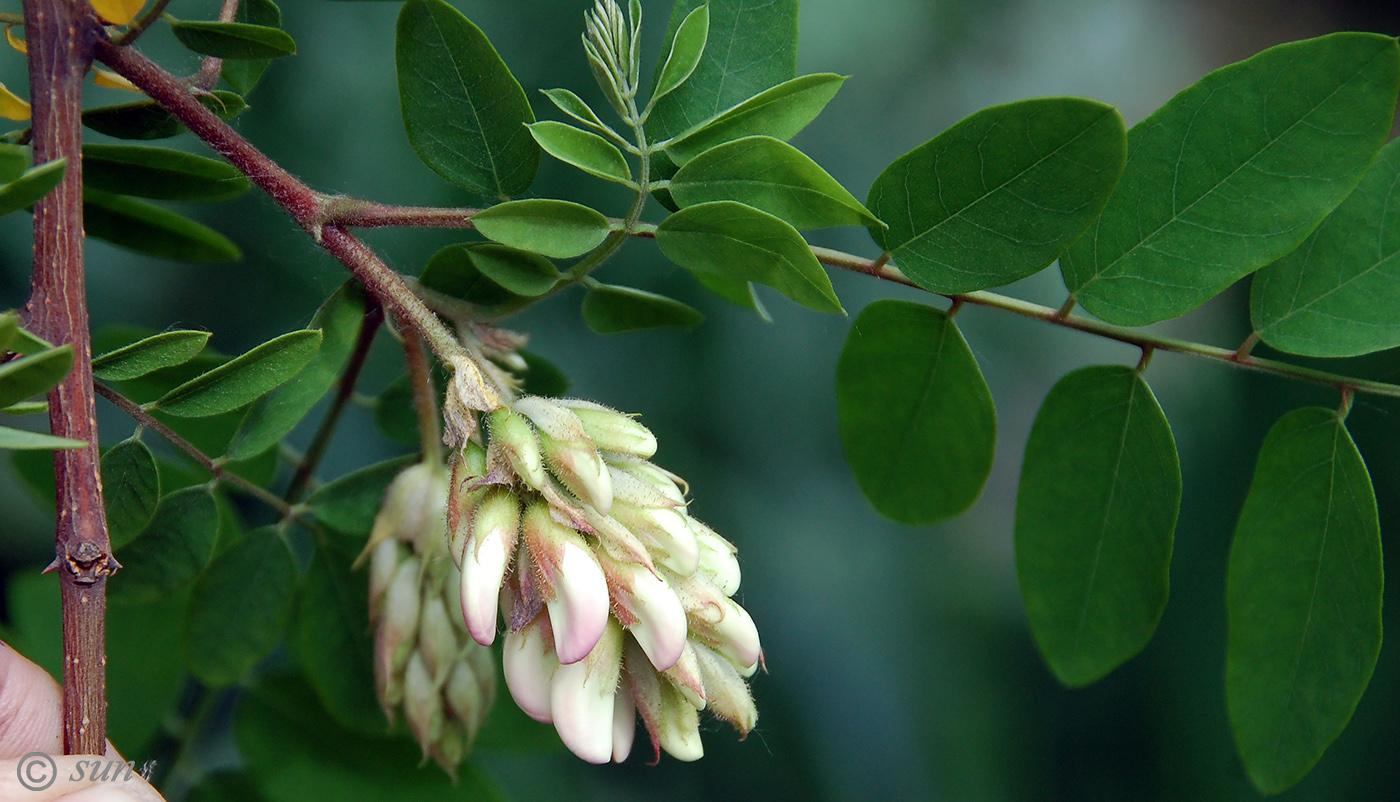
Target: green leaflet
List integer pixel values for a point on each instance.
(779, 112)
(751, 45)
(34, 184)
(917, 420)
(1233, 173)
(1303, 596)
(497, 278)
(234, 40)
(32, 375)
(239, 608)
(14, 160)
(586, 151)
(160, 173)
(734, 241)
(276, 414)
(9, 330)
(151, 230)
(464, 111)
(736, 291)
(557, 228)
(150, 354)
(687, 46)
(294, 753)
(394, 413)
(331, 639)
(608, 309)
(147, 120)
(240, 381)
(1338, 294)
(999, 195)
(130, 490)
(243, 74)
(773, 176)
(1095, 515)
(171, 551)
(21, 440)
(573, 105)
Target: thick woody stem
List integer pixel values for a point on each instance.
(307, 207)
(60, 35)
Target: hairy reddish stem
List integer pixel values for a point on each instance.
(60, 35)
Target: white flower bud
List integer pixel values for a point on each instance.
(667, 532)
(669, 484)
(398, 630)
(733, 634)
(661, 625)
(685, 677)
(384, 560)
(582, 697)
(467, 698)
(437, 639)
(624, 729)
(422, 705)
(529, 666)
(717, 558)
(495, 529)
(513, 440)
(678, 728)
(578, 613)
(612, 430)
(580, 468)
(727, 693)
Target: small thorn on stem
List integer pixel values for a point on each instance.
(1066, 307)
(1242, 353)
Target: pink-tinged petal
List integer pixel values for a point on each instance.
(483, 569)
(662, 627)
(624, 729)
(738, 637)
(582, 704)
(718, 560)
(676, 538)
(382, 564)
(579, 611)
(529, 668)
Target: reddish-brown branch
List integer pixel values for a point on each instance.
(60, 35)
(354, 213)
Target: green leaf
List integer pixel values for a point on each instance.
(573, 105)
(608, 309)
(917, 420)
(1001, 194)
(173, 549)
(1095, 515)
(394, 412)
(519, 272)
(349, 504)
(1233, 173)
(143, 228)
(26, 344)
(240, 381)
(130, 490)
(144, 676)
(147, 120)
(34, 184)
(586, 151)
(276, 414)
(234, 40)
(26, 408)
(31, 375)
(21, 440)
(687, 46)
(244, 74)
(735, 241)
(736, 291)
(14, 160)
(160, 173)
(557, 228)
(150, 354)
(296, 754)
(1303, 596)
(779, 112)
(9, 330)
(239, 608)
(543, 377)
(751, 46)
(331, 639)
(463, 109)
(1338, 294)
(773, 176)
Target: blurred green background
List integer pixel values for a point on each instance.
(900, 665)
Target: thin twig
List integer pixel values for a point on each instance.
(374, 317)
(208, 74)
(206, 462)
(142, 23)
(420, 374)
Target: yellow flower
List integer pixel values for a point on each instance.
(118, 12)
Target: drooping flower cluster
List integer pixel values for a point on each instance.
(616, 601)
(424, 660)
